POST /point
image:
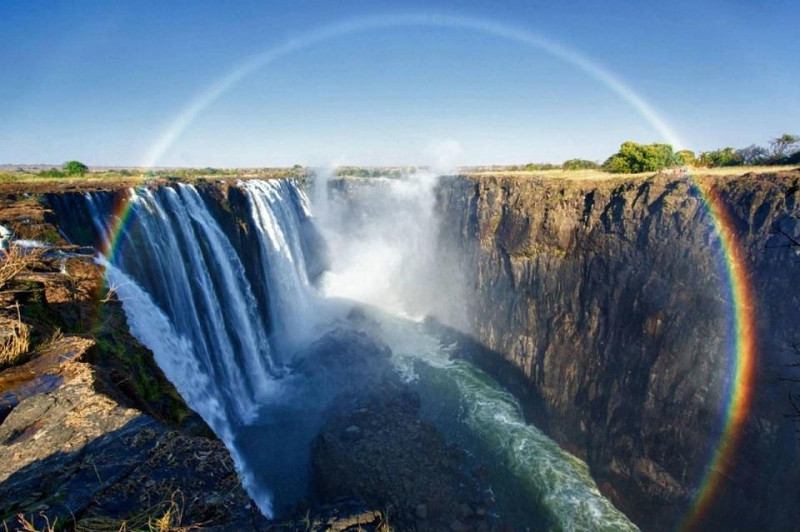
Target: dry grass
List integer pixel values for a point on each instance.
(24, 525)
(99, 177)
(600, 175)
(741, 170)
(136, 176)
(16, 261)
(169, 518)
(16, 343)
(50, 342)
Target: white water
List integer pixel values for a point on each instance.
(383, 234)
(175, 355)
(277, 207)
(387, 255)
(559, 483)
(187, 296)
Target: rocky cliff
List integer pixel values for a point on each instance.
(609, 298)
(92, 435)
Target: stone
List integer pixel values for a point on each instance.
(591, 297)
(421, 511)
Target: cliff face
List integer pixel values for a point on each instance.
(610, 298)
(92, 434)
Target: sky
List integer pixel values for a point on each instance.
(128, 83)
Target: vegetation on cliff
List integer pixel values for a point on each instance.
(633, 158)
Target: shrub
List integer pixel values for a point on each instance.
(52, 173)
(74, 168)
(579, 164)
(724, 157)
(532, 167)
(687, 157)
(633, 158)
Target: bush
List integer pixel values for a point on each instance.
(723, 157)
(687, 157)
(633, 158)
(75, 168)
(52, 173)
(579, 164)
(533, 167)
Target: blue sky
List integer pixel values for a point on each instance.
(102, 81)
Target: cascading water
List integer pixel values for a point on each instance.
(233, 354)
(277, 208)
(188, 298)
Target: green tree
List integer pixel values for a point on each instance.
(75, 168)
(724, 157)
(633, 158)
(687, 157)
(579, 164)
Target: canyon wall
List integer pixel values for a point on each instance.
(610, 300)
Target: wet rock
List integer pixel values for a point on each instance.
(421, 511)
(458, 526)
(42, 374)
(344, 515)
(398, 462)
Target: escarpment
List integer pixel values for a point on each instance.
(605, 306)
(612, 299)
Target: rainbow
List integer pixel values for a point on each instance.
(120, 218)
(742, 365)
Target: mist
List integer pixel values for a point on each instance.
(384, 244)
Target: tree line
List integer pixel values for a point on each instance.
(634, 158)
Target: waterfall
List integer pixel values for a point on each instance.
(225, 318)
(188, 297)
(279, 209)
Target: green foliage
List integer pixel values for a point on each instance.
(579, 164)
(74, 168)
(723, 157)
(532, 167)
(687, 157)
(783, 150)
(52, 173)
(633, 158)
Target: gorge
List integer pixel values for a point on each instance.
(561, 348)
